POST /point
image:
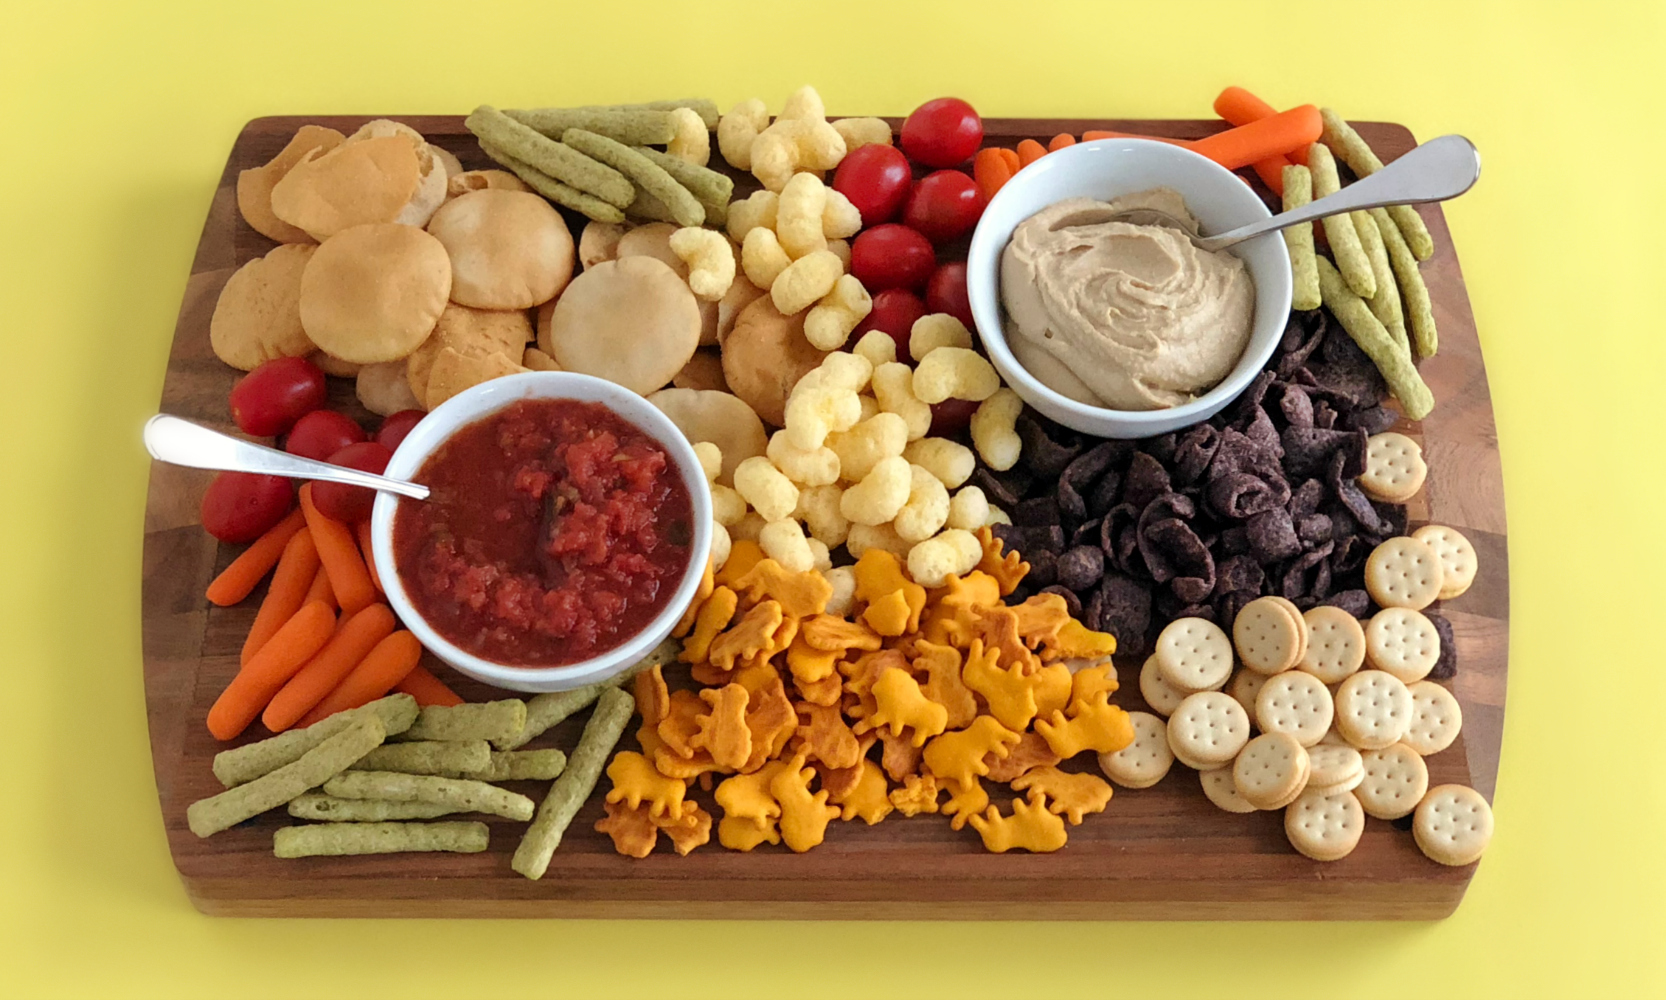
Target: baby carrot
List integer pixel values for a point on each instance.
(304, 634)
(240, 578)
(1030, 151)
(426, 688)
(320, 589)
(1060, 141)
(1243, 145)
(390, 662)
(351, 643)
(290, 583)
(992, 168)
(1100, 133)
(361, 531)
(340, 555)
(1240, 107)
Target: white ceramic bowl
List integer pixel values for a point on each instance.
(1105, 169)
(483, 400)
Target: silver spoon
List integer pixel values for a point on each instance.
(1435, 171)
(180, 442)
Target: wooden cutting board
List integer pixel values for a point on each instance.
(1162, 853)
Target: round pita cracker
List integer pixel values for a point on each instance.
(703, 371)
(765, 355)
(258, 315)
(254, 186)
(372, 293)
(509, 249)
(432, 173)
(448, 160)
(454, 372)
(384, 390)
(356, 183)
(719, 417)
(654, 240)
(474, 332)
(480, 180)
(630, 321)
(331, 365)
(600, 241)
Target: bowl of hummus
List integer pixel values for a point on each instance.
(1109, 321)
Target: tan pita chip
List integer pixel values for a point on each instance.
(258, 315)
(374, 292)
(536, 360)
(383, 390)
(703, 371)
(353, 184)
(480, 180)
(474, 332)
(254, 186)
(332, 365)
(453, 372)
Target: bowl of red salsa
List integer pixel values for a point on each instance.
(568, 528)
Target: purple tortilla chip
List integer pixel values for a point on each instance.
(1093, 612)
(1193, 453)
(1172, 549)
(1229, 604)
(1117, 537)
(1347, 491)
(1323, 416)
(1235, 541)
(1307, 450)
(1246, 406)
(1306, 498)
(1240, 572)
(1001, 489)
(1038, 511)
(1296, 582)
(1081, 474)
(1086, 533)
(1313, 529)
(1192, 589)
(1272, 536)
(1356, 603)
(1044, 566)
(1042, 454)
(1105, 493)
(1160, 447)
(1447, 666)
(1239, 495)
(1297, 407)
(1260, 429)
(1373, 420)
(1081, 567)
(1125, 612)
(1146, 480)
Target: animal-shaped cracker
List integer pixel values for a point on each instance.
(899, 756)
(807, 663)
(952, 620)
(689, 832)
(823, 692)
(1091, 724)
(799, 594)
(1011, 695)
(868, 798)
(1052, 689)
(1030, 752)
(957, 757)
(771, 719)
(635, 782)
(754, 633)
(835, 781)
(722, 731)
(743, 555)
(1089, 681)
(707, 585)
(831, 632)
(998, 628)
(890, 614)
(965, 801)
(747, 796)
(944, 684)
(673, 765)
(648, 738)
(1076, 641)
(804, 817)
(754, 675)
(879, 574)
(1031, 827)
(902, 703)
(865, 670)
(715, 615)
(681, 723)
(743, 834)
(633, 831)
(1069, 795)
(918, 794)
(825, 735)
(1008, 571)
(1040, 618)
(653, 701)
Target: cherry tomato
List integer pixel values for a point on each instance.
(875, 178)
(351, 504)
(948, 418)
(892, 256)
(944, 205)
(240, 506)
(946, 292)
(894, 311)
(396, 425)
(267, 401)
(321, 434)
(942, 133)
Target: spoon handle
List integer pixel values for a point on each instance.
(180, 442)
(1435, 171)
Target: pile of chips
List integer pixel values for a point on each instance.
(799, 682)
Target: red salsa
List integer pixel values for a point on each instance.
(555, 531)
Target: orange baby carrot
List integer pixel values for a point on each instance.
(239, 579)
(1060, 141)
(290, 583)
(992, 168)
(427, 689)
(361, 531)
(340, 555)
(320, 589)
(350, 644)
(390, 662)
(289, 649)
(1240, 107)
(1099, 133)
(1030, 151)
(1243, 145)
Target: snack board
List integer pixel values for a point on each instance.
(1161, 852)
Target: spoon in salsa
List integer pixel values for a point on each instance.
(180, 442)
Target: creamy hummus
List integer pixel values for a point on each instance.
(1127, 317)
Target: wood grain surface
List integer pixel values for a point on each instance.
(1162, 853)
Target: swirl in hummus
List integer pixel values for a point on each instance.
(1128, 317)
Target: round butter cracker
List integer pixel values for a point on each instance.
(1267, 639)
(1335, 644)
(1453, 825)
(1458, 562)
(1324, 827)
(1295, 702)
(1194, 655)
(1208, 727)
(1436, 718)
(1403, 572)
(1402, 642)
(1394, 467)
(1394, 782)
(1146, 760)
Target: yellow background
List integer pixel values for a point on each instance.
(115, 121)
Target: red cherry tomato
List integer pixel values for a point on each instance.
(946, 293)
(321, 434)
(267, 401)
(351, 504)
(240, 506)
(396, 425)
(949, 417)
(942, 133)
(944, 205)
(875, 178)
(894, 311)
(892, 256)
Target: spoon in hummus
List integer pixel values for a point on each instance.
(1435, 171)
(180, 442)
